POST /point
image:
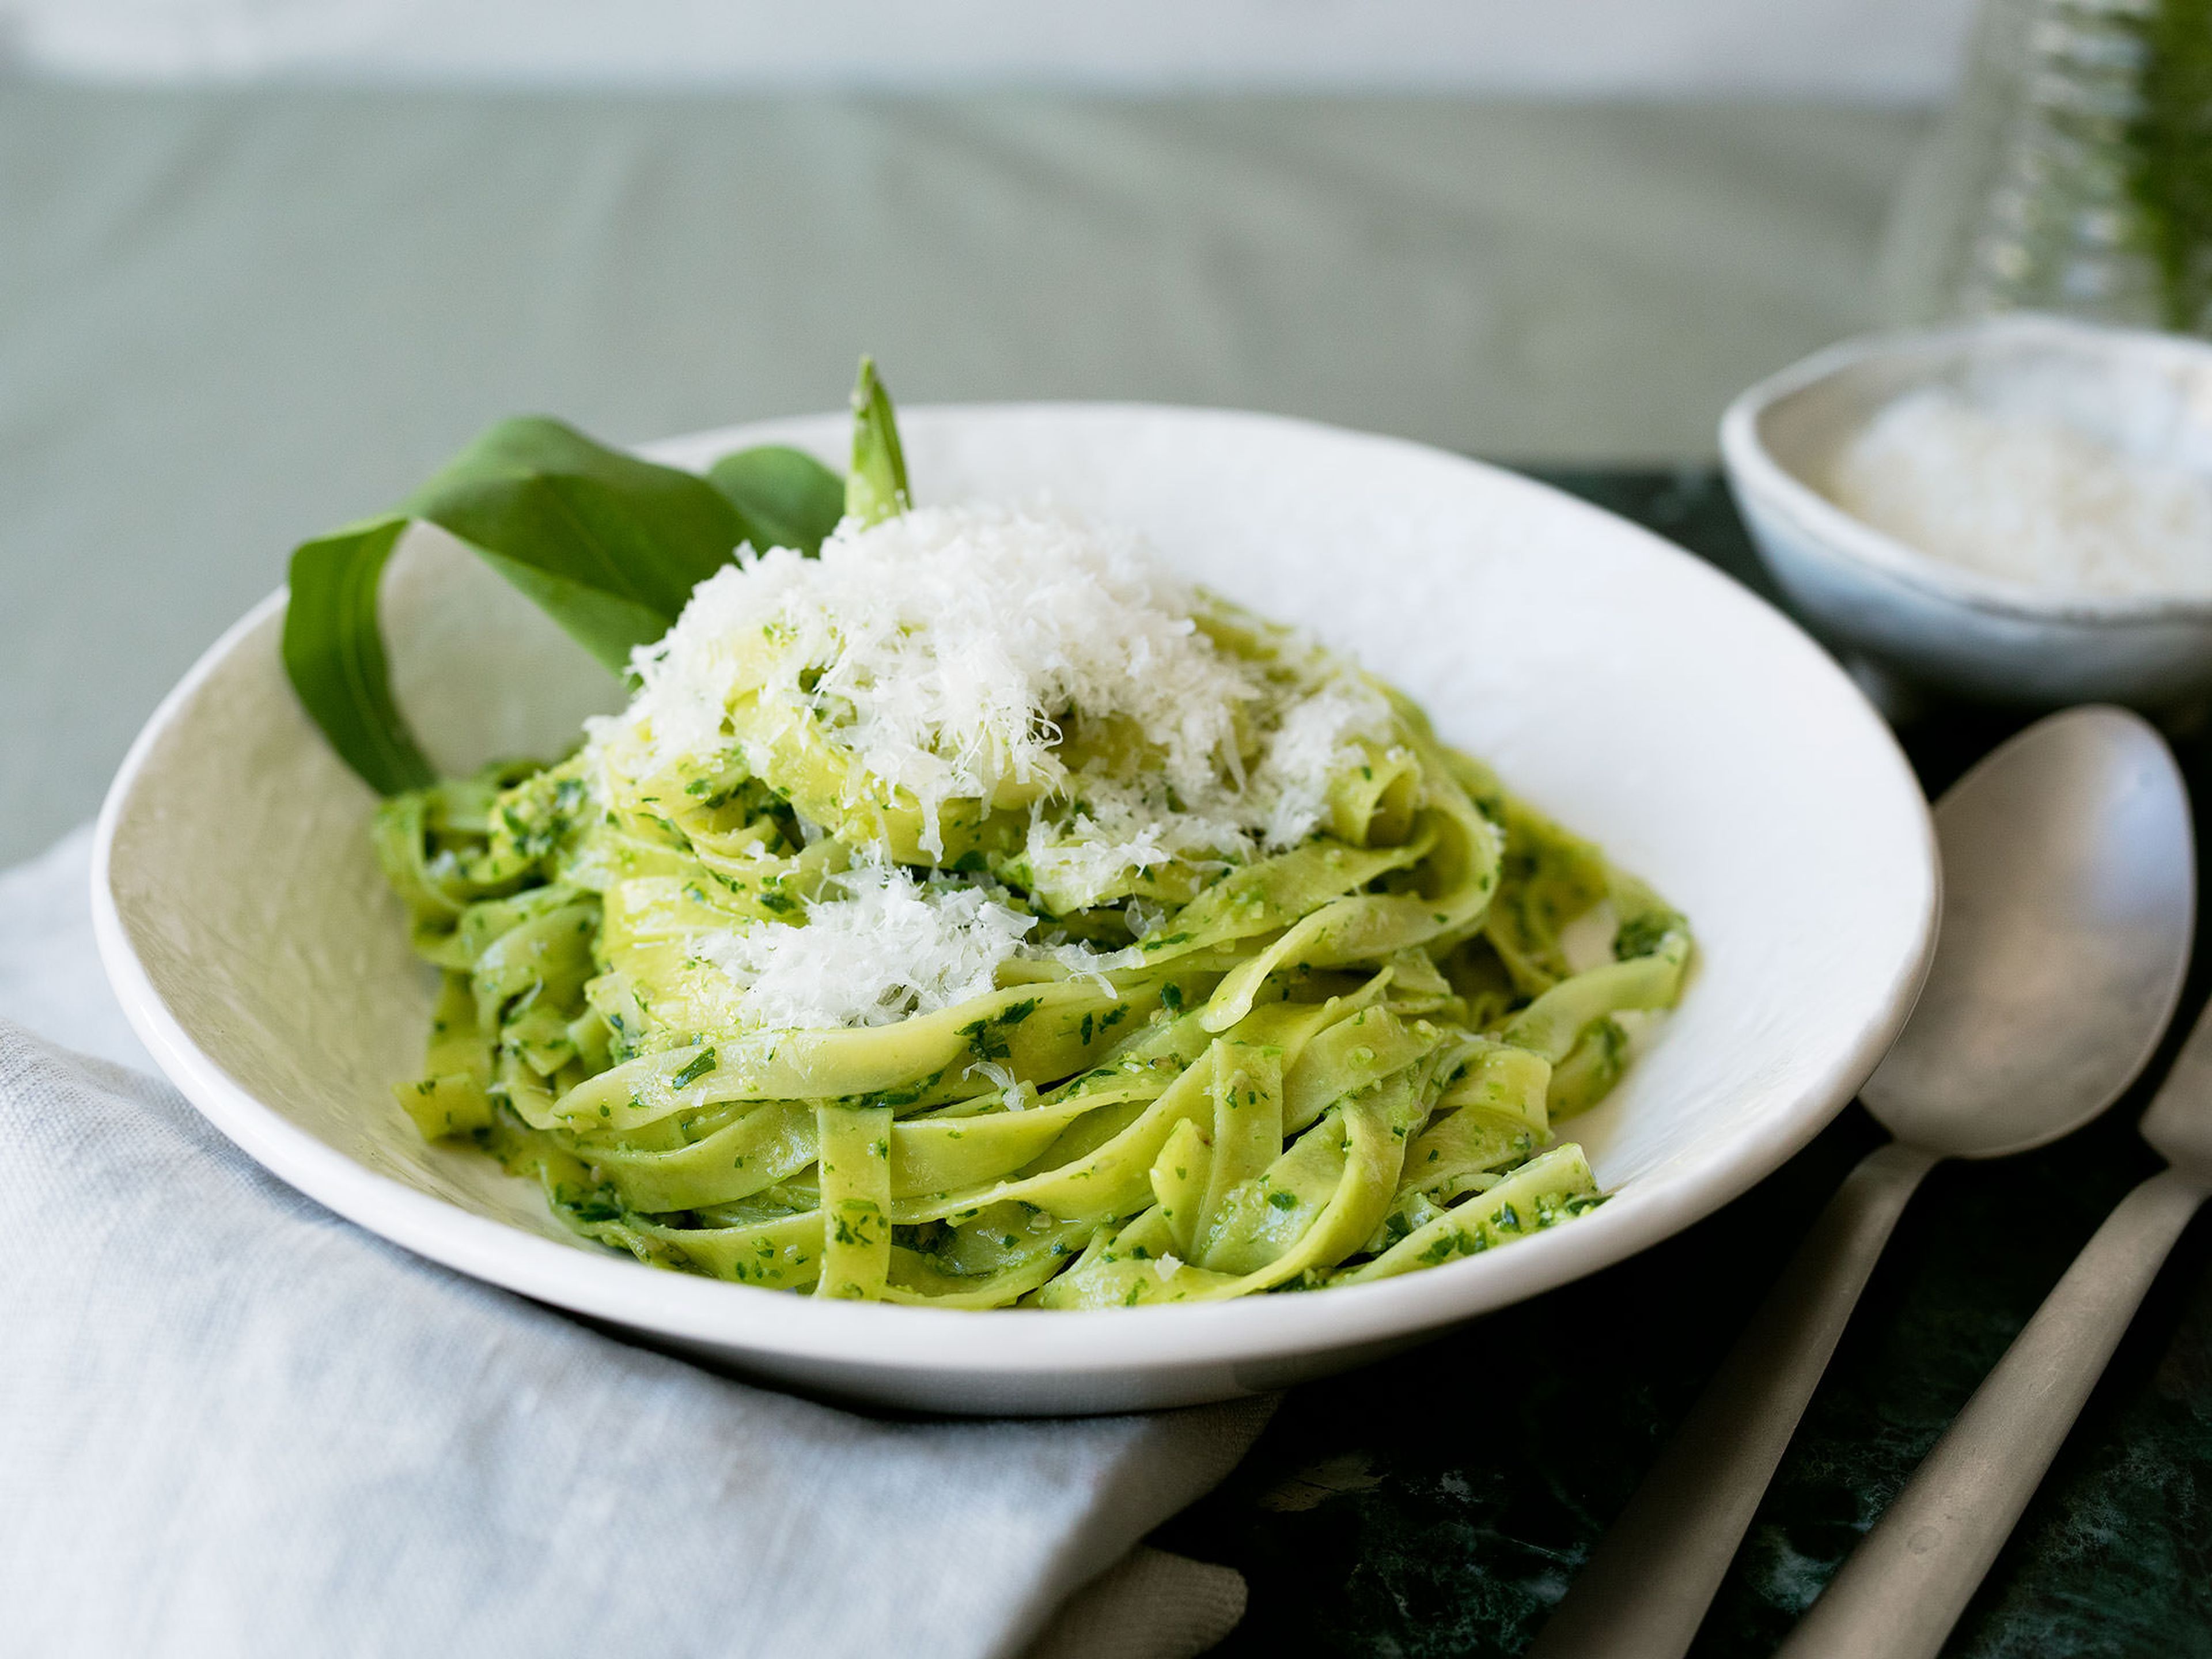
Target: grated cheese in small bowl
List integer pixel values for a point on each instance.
(2020, 487)
(2016, 509)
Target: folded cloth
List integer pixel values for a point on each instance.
(231, 1423)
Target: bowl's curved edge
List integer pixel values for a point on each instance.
(1060, 1351)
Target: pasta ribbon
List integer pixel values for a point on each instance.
(1271, 1067)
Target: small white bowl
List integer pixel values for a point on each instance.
(1638, 694)
(1937, 622)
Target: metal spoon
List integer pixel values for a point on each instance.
(1905, 1585)
(2069, 901)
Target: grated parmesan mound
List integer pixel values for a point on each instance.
(941, 647)
(885, 947)
(943, 639)
(944, 649)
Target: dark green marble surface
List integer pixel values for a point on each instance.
(1440, 1503)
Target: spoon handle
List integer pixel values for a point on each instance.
(1905, 1584)
(1647, 1587)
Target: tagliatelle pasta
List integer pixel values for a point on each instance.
(974, 915)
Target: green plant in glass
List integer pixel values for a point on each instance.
(2168, 156)
(2073, 172)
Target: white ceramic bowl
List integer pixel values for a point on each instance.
(1939, 623)
(1645, 699)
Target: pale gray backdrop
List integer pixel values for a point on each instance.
(232, 318)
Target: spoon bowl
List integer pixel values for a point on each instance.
(2068, 904)
(1903, 1589)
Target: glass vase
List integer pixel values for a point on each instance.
(2073, 174)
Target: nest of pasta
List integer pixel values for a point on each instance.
(972, 914)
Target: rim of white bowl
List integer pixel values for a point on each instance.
(886, 1336)
(1755, 471)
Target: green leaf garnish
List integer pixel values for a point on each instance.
(875, 489)
(2167, 152)
(334, 653)
(785, 497)
(607, 545)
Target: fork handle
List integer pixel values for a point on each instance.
(1647, 1587)
(1906, 1583)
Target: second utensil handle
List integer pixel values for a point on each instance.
(1645, 1591)
(1906, 1583)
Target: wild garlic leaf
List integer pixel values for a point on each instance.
(607, 545)
(334, 653)
(785, 497)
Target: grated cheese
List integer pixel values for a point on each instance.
(944, 648)
(1313, 744)
(879, 944)
(2014, 486)
(945, 641)
(884, 947)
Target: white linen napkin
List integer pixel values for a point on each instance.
(231, 1423)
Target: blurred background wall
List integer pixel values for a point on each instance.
(1887, 51)
(264, 263)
